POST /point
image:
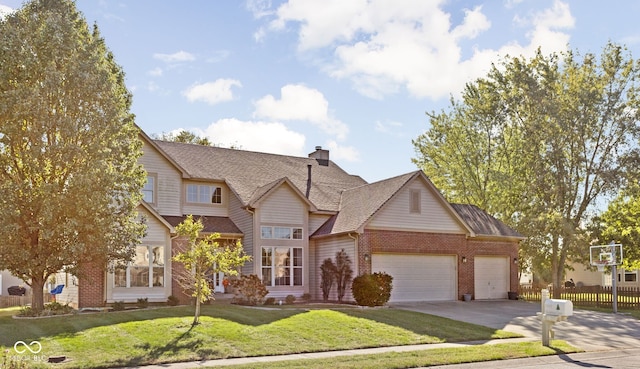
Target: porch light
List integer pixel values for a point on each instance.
(464, 259)
(515, 260)
(366, 257)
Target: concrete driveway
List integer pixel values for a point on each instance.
(591, 331)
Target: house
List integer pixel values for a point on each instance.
(585, 276)
(291, 213)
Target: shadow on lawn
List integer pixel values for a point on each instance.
(185, 342)
(445, 329)
(67, 326)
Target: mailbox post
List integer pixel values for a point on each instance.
(553, 310)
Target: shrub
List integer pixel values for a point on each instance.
(270, 301)
(306, 297)
(143, 303)
(372, 289)
(52, 308)
(290, 299)
(327, 275)
(118, 306)
(173, 301)
(343, 272)
(248, 290)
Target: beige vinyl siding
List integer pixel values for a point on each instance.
(327, 249)
(217, 210)
(283, 206)
(243, 220)
(580, 274)
(316, 221)
(69, 293)
(168, 178)
(433, 216)
(157, 232)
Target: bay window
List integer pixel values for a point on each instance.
(145, 270)
(282, 266)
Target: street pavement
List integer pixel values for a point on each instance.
(588, 330)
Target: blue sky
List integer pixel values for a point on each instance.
(353, 76)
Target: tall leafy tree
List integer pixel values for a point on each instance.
(69, 178)
(185, 137)
(537, 142)
(621, 223)
(204, 257)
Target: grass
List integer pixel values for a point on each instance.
(422, 358)
(165, 335)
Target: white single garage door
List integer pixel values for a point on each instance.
(418, 277)
(491, 277)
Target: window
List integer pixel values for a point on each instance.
(145, 270)
(281, 233)
(204, 194)
(630, 276)
(414, 202)
(148, 191)
(282, 266)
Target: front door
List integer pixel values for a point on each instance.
(218, 282)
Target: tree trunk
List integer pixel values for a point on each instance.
(37, 295)
(196, 316)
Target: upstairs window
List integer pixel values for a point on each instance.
(204, 194)
(281, 233)
(148, 191)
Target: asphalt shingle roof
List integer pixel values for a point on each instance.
(211, 224)
(252, 174)
(482, 223)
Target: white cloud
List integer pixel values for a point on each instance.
(212, 92)
(389, 128)
(5, 10)
(155, 72)
(301, 103)
(339, 152)
(385, 46)
(177, 57)
(271, 137)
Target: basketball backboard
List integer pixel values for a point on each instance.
(605, 255)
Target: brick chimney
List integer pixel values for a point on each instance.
(322, 156)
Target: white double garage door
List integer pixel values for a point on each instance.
(435, 277)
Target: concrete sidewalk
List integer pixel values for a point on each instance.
(321, 355)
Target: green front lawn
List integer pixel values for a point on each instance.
(165, 334)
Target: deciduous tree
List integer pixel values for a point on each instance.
(69, 177)
(537, 142)
(204, 257)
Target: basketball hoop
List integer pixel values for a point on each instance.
(601, 267)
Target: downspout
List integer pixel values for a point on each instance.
(355, 243)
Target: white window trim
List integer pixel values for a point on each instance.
(213, 188)
(150, 268)
(291, 266)
(154, 190)
(273, 233)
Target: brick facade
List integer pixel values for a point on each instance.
(403, 242)
(177, 269)
(91, 285)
